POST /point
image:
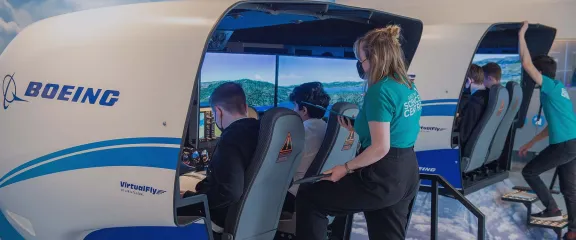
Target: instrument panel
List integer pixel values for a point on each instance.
(196, 159)
(207, 129)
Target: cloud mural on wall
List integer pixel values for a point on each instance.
(15, 15)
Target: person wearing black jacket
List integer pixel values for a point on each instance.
(224, 182)
(473, 109)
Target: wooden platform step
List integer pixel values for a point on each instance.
(550, 224)
(528, 189)
(520, 196)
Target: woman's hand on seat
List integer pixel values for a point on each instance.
(345, 123)
(337, 173)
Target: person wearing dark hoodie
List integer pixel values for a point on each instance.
(474, 107)
(224, 182)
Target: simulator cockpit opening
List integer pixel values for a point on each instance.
(491, 110)
(269, 48)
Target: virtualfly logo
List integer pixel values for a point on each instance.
(139, 189)
(431, 129)
(9, 93)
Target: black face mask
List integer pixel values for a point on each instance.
(220, 126)
(361, 72)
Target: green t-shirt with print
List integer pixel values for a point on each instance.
(558, 110)
(393, 102)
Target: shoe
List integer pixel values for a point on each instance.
(548, 215)
(570, 236)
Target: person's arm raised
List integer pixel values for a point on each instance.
(525, 57)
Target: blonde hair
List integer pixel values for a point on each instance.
(385, 55)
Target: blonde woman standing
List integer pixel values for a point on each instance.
(383, 178)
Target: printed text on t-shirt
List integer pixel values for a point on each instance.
(413, 105)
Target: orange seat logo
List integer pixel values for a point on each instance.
(286, 149)
(500, 109)
(349, 141)
(515, 104)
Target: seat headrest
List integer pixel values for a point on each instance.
(337, 141)
(476, 150)
(515, 100)
(266, 181)
(513, 90)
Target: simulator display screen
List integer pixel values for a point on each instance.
(510, 64)
(201, 126)
(256, 74)
(339, 77)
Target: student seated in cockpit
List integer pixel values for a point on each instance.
(492, 74)
(224, 182)
(305, 97)
(475, 105)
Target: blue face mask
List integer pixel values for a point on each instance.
(312, 105)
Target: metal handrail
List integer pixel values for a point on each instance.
(435, 179)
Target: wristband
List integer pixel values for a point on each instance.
(348, 171)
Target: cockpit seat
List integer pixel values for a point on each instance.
(497, 146)
(279, 151)
(475, 151)
(339, 146)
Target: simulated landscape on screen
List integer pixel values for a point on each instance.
(510, 64)
(256, 74)
(338, 76)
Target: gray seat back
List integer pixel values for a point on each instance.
(476, 149)
(279, 151)
(339, 144)
(497, 146)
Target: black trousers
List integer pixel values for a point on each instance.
(563, 157)
(382, 191)
(218, 216)
(289, 203)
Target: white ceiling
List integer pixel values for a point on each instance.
(556, 13)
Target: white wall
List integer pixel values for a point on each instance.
(556, 13)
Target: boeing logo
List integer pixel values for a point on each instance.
(9, 91)
(427, 169)
(139, 189)
(52, 91)
(66, 93)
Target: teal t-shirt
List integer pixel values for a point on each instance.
(393, 102)
(558, 110)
